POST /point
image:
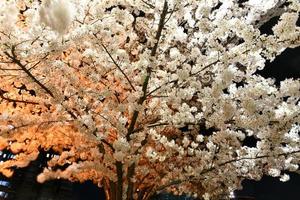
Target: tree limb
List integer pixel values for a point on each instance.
(15, 100)
(131, 168)
(119, 191)
(118, 66)
(179, 181)
(15, 60)
(146, 81)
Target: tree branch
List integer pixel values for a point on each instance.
(146, 81)
(192, 74)
(131, 168)
(154, 90)
(36, 64)
(179, 181)
(148, 4)
(136, 112)
(108, 144)
(112, 187)
(117, 65)
(160, 27)
(15, 60)
(15, 100)
(119, 191)
(130, 173)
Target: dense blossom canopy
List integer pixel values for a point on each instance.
(145, 96)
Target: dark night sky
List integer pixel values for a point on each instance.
(287, 65)
(87, 191)
(270, 188)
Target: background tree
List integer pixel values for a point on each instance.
(145, 96)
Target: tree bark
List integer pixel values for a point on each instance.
(119, 188)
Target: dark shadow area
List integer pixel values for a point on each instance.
(24, 186)
(87, 191)
(286, 65)
(270, 188)
(267, 27)
(166, 196)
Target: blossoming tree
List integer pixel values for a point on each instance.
(148, 96)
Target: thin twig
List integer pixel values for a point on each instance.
(118, 66)
(108, 144)
(171, 13)
(167, 83)
(15, 100)
(36, 64)
(14, 58)
(148, 4)
(39, 124)
(179, 181)
(205, 67)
